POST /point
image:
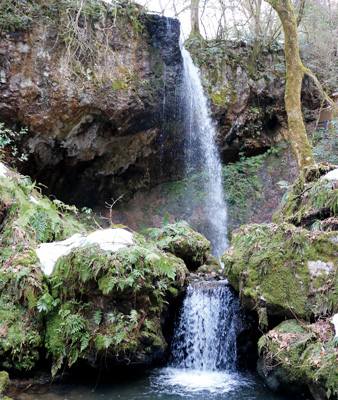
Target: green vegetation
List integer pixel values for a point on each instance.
(133, 284)
(182, 241)
(97, 304)
(29, 219)
(8, 148)
(4, 383)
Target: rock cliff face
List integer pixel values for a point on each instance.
(248, 107)
(96, 117)
(101, 100)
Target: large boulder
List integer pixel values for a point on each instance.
(281, 270)
(297, 355)
(111, 305)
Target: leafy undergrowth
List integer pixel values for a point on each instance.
(302, 354)
(182, 241)
(106, 304)
(27, 219)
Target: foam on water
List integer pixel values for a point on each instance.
(184, 381)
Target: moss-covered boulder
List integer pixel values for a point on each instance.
(313, 200)
(98, 305)
(296, 355)
(282, 270)
(192, 247)
(27, 219)
(4, 383)
(111, 306)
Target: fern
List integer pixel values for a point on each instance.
(98, 317)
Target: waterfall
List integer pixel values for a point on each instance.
(203, 349)
(205, 335)
(202, 155)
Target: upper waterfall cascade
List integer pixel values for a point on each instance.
(202, 154)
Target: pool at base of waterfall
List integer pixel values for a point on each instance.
(163, 383)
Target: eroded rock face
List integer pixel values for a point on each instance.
(96, 122)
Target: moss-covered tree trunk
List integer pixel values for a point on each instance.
(294, 77)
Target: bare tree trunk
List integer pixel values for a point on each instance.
(300, 12)
(255, 50)
(294, 77)
(194, 18)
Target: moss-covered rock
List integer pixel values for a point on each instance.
(111, 305)
(183, 242)
(4, 383)
(295, 355)
(313, 200)
(27, 219)
(282, 270)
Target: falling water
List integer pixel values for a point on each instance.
(205, 336)
(203, 350)
(202, 154)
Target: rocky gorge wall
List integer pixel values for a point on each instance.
(95, 114)
(101, 102)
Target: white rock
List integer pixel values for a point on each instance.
(316, 268)
(3, 170)
(107, 239)
(332, 175)
(334, 321)
(32, 199)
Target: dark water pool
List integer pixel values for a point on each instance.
(163, 384)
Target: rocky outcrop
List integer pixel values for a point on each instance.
(280, 270)
(286, 271)
(247, 106)
(94, 103)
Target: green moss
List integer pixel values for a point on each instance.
(156, 62)
(132, 283)
(20, 340)
(4, 382)
(183, 242)
(270, 262)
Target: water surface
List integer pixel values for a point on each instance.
(165, 384)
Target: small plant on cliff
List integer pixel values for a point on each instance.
(8, 148)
